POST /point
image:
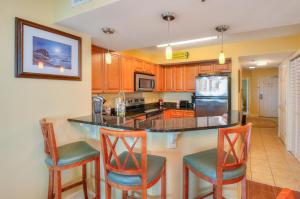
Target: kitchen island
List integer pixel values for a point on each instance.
(171, 137)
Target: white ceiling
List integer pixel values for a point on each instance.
(138, 23)
(273, 60)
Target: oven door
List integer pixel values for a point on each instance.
(144, 82)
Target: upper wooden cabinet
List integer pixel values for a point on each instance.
(127, 74)
(119, 75)
(98, 68)
(178, 78)
(113, 75)
(160, 78)
(139, 65)
(169, 75)
(206, 68)
(190, 72)
(222, 67)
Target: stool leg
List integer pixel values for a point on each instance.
(58, 185)
(84, 181)
(244, 188)
(97, 177)
(218, 191)
(51, 183)
(163, 184)
(124, 194)
(185, 183)
(107, 190)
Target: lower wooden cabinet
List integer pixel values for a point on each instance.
(178, 113)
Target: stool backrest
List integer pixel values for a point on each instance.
(109, 141)
(50, 147)
(238, 140)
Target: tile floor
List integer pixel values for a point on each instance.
(269, 162)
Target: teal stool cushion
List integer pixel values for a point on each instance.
(205, 162)
(154, 168)
(72, 153)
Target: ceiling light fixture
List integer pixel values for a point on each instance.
(168, 16)
(108, 31)
(177, 43)
(252, 67)
(261, 63)
(222, 29)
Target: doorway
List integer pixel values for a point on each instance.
(268, 97)
(245, 97)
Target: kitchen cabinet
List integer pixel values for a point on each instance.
(98, 68)
(178, 78)
(159, 75)
(206, 68)
(113, 75)
(178, 113)
(127, 74)
(169, 78)
(222, 67)
(189, 77)
(149, 68)
(138, 65)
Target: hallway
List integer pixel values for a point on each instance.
(269, 162)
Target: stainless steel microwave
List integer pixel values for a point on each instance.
(144, 82)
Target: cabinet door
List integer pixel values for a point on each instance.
(169, 78)
(113, 75)
(190, 73)
(178, 78)
(159, 75)
(148, 68)
(98, 70)
(222, 68)
(138, 65)
(189, 113)
(127, 73)
(206, 68)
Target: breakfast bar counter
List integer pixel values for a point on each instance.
(161, 124)
(169, 137)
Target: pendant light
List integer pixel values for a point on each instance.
(222, 29)
(108, 31)
(168, 16)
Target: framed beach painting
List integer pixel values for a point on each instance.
(47, 53)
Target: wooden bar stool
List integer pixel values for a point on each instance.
(128, 170)
(219, 167)
(66, 157)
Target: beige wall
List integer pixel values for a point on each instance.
(254, 77)
(24, 101)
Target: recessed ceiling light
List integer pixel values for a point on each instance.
(261, 63)
(252, 67)
(188, 41)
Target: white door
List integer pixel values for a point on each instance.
(268, 97)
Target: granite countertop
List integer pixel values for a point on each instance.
(160, 124)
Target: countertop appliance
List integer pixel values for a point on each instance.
(97, 106)
(144, 82)
(213, 94)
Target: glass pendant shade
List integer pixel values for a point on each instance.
(221, 58)
(169, 52)
(107, 58)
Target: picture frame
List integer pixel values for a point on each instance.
(46, 53)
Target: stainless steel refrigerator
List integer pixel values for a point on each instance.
(213, 94)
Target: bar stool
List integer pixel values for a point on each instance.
(128, 170)
(66, 157)
(219, 167)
